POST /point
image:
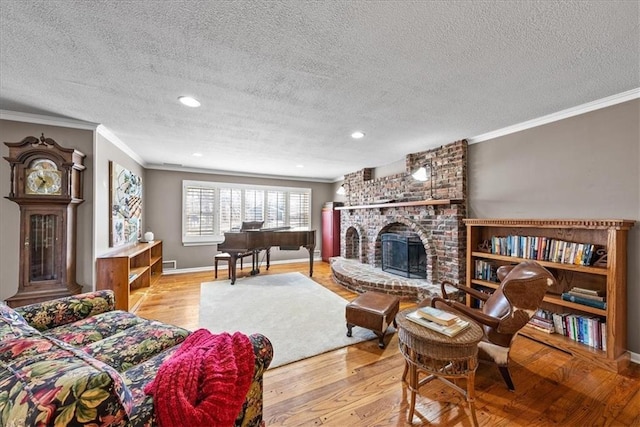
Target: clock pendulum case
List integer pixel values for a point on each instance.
(46, 182)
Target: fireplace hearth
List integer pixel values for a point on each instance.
(403, 255)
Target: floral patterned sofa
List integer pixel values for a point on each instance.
(77, 361)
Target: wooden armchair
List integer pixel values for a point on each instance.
(506, 311)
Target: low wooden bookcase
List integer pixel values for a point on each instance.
(129, 272)
(608, 276)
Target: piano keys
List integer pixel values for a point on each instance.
(239, 242)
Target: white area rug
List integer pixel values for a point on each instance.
(300, 317)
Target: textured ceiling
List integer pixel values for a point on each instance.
(285, 83)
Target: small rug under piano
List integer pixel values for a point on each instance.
(300, 317)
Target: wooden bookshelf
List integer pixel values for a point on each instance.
(609, 276)
(129, 272)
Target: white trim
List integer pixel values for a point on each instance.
(180, 168)
(560, 115)
(224, 267)
(202, 240)
(109, 136)
(47, 120)
(216, 185)
(635, 357)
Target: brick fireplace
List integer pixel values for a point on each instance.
(431, 211)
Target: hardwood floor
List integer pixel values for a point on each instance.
(360, 385)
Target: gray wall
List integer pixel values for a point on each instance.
(79, 139)
(163, 210)
(586, 166)
(106, 152)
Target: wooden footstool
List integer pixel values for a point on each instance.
(374, 311)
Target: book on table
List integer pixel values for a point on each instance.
(439, 316)
(450, 331)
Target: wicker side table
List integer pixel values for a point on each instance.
(440, 357)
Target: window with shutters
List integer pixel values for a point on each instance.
(212, 208)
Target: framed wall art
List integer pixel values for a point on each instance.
(125, 201)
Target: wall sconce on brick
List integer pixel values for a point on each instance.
(341, 191)
(423, 174)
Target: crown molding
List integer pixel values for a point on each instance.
(560, 115)
(112, 138)
(47, 120)
(181, 168)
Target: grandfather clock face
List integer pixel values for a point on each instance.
(43, 178)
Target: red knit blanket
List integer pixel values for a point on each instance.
(205, 382)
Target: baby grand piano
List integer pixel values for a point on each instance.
(237, 243)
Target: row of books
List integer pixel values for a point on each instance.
(438, 320)
(486, 270)
(588, 330)
(546, 249)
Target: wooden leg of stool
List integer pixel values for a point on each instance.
(380, 338)
(349, 328)
(215, 267)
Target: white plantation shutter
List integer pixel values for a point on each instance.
(210, 209)
(253, 205)
(199, 211)
(230, 209)
(276, 209)
(299, 209)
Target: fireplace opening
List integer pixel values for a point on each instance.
(404, 256)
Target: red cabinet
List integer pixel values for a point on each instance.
(330, 232)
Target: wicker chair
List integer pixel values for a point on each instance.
(505, 311)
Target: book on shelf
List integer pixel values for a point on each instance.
(441, 317)
(486, 270)
(132, 276)
(543, 320)
(540, 328)
(588, 291)
(559, 323)
(588, 296)
(477, 303)
(566, 296)
(450, 331)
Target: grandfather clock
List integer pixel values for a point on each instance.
(46, 182)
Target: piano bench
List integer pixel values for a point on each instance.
(227, 258)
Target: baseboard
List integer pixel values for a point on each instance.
(224, 267)
(635, 358)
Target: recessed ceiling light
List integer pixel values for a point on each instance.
(197, 154)
(357, 135)
(300, 166)
(189, 101)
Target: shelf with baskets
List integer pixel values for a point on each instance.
(601, 335)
